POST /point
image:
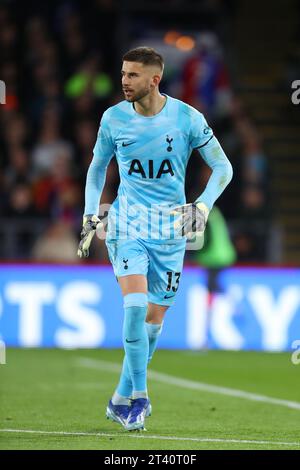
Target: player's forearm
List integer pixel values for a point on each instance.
(94, 186)
(215, 157)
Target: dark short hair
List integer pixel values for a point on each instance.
(144, 55)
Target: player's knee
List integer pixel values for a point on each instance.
(156, 313)
(135, 306)
(137, 299)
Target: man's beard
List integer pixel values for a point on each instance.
(139, 95)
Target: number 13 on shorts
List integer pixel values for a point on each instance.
(173, 281)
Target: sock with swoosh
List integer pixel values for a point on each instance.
(136, 345)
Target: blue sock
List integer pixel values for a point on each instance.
(154, 331)
(136, 344)
(125, 385)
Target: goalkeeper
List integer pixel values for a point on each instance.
(152, 136)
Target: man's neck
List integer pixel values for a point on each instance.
(151, 104)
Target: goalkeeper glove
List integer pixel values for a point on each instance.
(89, 226)
(192, 220)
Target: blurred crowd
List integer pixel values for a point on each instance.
(60, 74)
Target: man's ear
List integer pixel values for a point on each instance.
(156, 79)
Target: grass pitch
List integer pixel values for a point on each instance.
(56, 399)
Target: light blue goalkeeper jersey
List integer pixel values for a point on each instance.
(152, 155)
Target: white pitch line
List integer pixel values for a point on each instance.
(190, 384)
(160, 438)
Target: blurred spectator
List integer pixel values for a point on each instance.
(205, 79)
(89, 77)
(20, 211)
(252, 231)
(49, 144)
(58, 243)
(15, 131)
(18, 169)
(74, 42)
(252, 222)
(88, 90)
(66, 206)
(218, 250)
(56, 192)
(84, 135)
(254, 161)
(20, 203)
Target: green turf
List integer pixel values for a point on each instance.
(49, 390)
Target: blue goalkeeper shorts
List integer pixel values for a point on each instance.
(160, 263)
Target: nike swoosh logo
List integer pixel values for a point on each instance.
(126, 145)
(168, 296)
(134, 341)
